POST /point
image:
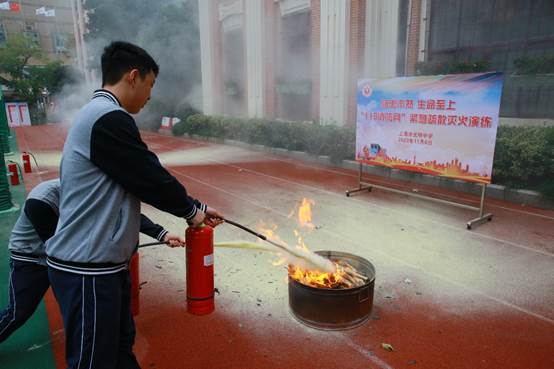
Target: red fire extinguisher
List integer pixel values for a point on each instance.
(13, 173)
(26, 159)
(200, 269)
(135, 284)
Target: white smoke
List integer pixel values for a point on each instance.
(163, 34)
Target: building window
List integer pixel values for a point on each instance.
(60, 41)
(293, 82)
(30, 33)
(233, 73)
(32, 36)
(28, 27)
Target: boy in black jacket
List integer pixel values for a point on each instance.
(106, 171)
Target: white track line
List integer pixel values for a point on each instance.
(398, 260)
(367, 353)
(362, 203)
(365, 203)
(276, 157)
(355, 176)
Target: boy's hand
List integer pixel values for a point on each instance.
(174, 240)
(213, 217)
(198, 218)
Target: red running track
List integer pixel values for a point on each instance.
(445, 297)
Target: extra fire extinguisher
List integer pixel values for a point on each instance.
(13, 172)
(26, 159)
(200, 269)
(134, 269)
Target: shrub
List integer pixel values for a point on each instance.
(179, 129)
(540, 65)
(432, 68)
(524, 156)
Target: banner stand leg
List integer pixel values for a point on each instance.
(482, 217)
(361, 186)
(365, 186)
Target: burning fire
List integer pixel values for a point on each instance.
(344, 276)
(314, 278)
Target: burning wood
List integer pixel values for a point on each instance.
(345, 276)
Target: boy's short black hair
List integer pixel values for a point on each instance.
(120, 57)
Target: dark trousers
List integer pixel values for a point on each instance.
(28, 284)
(99, 327)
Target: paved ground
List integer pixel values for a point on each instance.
(445, 297)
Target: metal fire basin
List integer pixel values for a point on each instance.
(334, 309)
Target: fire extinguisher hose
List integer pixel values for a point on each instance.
(153, 244)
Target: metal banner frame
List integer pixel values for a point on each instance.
(482, 218)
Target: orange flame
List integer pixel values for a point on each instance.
(312, 278)
(305, 213)
(317, 279)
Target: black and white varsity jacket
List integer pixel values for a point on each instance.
(38, 220)
(106, 171)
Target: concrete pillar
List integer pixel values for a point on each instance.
(254, 31)
(315, 38)
(271, 56)
(207, 48)
(381, 34)
(334, 61)
(356, 54)
(413, 36)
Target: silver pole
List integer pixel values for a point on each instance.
(81, 19)
(360, 176)
(482, 206)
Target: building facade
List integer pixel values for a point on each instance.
(300, 59)
(53, 31)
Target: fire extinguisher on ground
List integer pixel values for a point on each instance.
(200, 269)
(13, 172)
(26, 159)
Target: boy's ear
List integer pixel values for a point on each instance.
(133, 75)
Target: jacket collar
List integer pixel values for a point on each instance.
(107, 95)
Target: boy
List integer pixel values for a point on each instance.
(106, 171)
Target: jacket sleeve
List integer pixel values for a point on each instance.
(43, 218)
(151, 229)
(118, 150)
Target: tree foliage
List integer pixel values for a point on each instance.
(25, 80)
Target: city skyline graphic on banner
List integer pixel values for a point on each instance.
(438, 125)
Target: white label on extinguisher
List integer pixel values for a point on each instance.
(209, 260)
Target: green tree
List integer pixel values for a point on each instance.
(28, 82)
